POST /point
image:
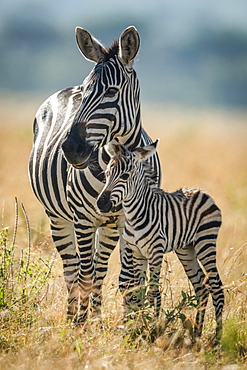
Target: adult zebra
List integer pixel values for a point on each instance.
(186, 221)
(78, 122)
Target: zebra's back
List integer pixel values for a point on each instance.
(190, 210)
(48, 170)
(171, 219)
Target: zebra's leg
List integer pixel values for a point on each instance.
(137, 297)
(106, 241)
(206, 253)
(187, 256)
(85, 234)
(132, 278)
(126, 276)
(154, 295)
(64, 238)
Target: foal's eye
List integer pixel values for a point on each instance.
(124, 176)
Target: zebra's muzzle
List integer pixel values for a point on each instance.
(104, 203)
(76, 150)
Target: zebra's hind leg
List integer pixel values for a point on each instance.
(187, 256)
(206, 253)
(106, 241)
(64, 238)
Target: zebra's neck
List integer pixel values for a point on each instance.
(138, 204)
(101, 158)
(133, 139)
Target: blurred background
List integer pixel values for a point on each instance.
(193, 53)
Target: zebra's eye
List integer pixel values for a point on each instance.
(111, 92)
(124, 176)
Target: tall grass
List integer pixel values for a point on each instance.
(196, 149)
(23, 283)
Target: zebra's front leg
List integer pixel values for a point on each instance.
(154, 296)
(138, 295)
(106, 241)
(136, 266)
(127, 275)
(85, 234)
(64, 239)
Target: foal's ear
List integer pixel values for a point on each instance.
(113, 148)
(129, 43)
(88, 45)
(146, 151)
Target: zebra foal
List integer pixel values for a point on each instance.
(156, 222)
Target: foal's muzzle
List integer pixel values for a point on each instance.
(104, 203)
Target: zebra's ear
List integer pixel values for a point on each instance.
(113, 147)
(145, 152)
(129, 43)
(89, 46)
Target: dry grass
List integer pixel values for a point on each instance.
(206, 149)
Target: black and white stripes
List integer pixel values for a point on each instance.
(68, 161)
(156, 222)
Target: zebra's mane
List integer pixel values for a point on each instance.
(150, 175)
(110, 52)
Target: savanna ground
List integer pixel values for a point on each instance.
(197, 148)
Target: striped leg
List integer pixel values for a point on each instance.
(206, 253)
(154, 295)
(126, 276)
(64, 238)
(85, 234)
(137, 298)
(188, 258)
(107, 238)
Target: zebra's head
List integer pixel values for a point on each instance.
(123, 174)
(110, 105)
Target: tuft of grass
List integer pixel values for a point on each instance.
(24, 283)
(234, 340)
(174, 324)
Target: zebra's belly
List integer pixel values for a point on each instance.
(48, 177)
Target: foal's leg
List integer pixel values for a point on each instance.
(206, 253)
(140, 274)
(187, 256)
(126, 276)
(155, 264)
